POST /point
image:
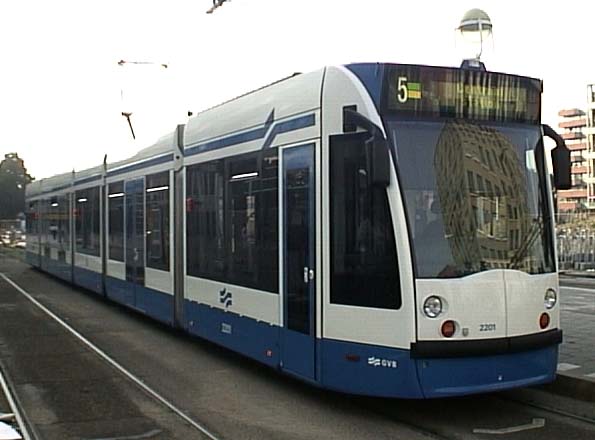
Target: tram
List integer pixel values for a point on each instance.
(376, 229)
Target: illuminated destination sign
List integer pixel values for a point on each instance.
(442, 92)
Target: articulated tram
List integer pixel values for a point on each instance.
(377, 229)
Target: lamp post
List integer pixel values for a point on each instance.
(127, 115)
(216, 4)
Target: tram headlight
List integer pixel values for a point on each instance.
(550, 298)
(432, 306)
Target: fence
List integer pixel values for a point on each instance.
(575, 233)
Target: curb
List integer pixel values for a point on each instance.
(576, 274)
(571, 386)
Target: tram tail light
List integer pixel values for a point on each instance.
(448, 329)
(544, 320)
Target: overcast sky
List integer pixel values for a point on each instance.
(62, 91)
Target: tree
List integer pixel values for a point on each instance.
(13, 179)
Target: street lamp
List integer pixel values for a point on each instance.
(122, 62)
(127, 115)
(475, 27)
(216, 4)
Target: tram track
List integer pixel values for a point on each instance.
(155, 395)
(528, 398)
(16, 416)
(232, 410)
(522, 413)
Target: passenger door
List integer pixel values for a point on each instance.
(298, 246)
(135, 238)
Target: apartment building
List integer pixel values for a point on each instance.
(573, 127)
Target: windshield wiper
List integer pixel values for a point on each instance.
(529, 240)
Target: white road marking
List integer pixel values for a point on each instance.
(111, 361)
(566, 367)
(536, 423)
(590, 375)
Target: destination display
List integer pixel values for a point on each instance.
(471, 94)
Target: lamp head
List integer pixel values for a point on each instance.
(475, 27)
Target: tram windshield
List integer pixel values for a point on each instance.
(475, 196)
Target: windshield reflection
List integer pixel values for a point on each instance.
(473, 197)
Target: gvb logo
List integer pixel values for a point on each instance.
(225, 298)
(379, 362)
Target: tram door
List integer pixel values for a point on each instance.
(135, 238)
(299, 335)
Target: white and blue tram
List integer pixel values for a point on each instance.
(377, 229)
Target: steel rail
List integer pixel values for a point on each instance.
(114, 363)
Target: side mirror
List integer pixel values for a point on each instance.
(377, 150)
(560, 159)
(379, 160)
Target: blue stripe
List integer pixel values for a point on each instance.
(88, 179)
(59, 188)
(287, 126)
(140, 165)
(258, 133)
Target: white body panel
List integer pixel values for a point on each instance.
(490, 304)
(89, 262)
(256, 304)
(391, 328)
(524, 299)
(159, 280)
(288, 98)
(116, 269)
(469, 301)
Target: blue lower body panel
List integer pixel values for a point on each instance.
(151, 302)
(460, 376)
(120, 291)
(258, 340)
(368, 369)
(57, 268)
(156, 304)
(32, 258)
(88, 279)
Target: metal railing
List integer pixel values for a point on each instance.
(575, 234)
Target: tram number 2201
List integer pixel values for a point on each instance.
(487, 327)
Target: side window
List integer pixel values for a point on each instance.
(53, 220)
(87, 221)
(59, 226)
(44, 227)
(32, 219)
(115, 200)
(65, 222)
(364, 268)
(205, 218)
(232, 220)
(157, 220)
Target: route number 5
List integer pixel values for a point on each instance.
(402, 92)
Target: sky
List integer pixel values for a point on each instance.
(62, 91)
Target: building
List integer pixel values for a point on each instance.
(573, 124)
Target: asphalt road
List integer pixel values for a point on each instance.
(69, 392)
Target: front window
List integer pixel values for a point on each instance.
(475, 196)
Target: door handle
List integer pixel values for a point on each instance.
(308, 274)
